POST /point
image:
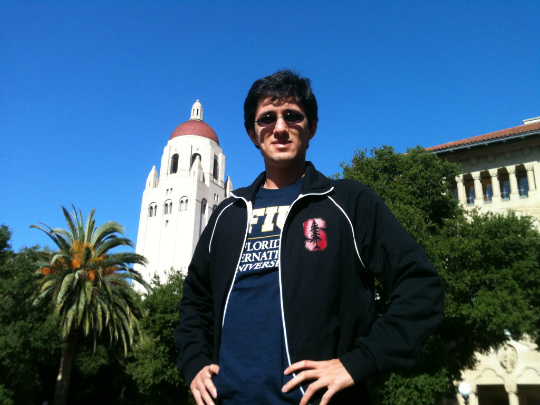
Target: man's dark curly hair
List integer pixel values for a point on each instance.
(282, 85)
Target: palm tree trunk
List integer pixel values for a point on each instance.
(64, 372)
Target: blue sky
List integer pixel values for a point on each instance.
(90, 92)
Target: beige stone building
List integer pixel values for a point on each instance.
(501, 171)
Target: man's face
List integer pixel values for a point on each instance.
(282, 144)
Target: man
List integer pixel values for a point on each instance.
(278, 303)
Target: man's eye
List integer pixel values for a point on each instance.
(293, 117)
(267, 119)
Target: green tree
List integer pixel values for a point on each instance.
(489, 263)
(29, 337)
(416, 186)
(153, 361)
(89, 287)
(99, 377)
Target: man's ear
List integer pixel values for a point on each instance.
(253, 137)
(312, 129)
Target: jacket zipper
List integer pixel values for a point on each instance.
(249, 215)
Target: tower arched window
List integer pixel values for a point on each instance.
(183, 203)
(167, 207)
(174, 163)
(216, 174)
(152, 210)
(194, 158)
(202, 221)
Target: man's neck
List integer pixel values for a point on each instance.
(276, 178)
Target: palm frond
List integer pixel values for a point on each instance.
(105, 231)
(68, 319)
(69, 219)
(53, 234)
(63, 293)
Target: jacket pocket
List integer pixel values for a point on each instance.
(322, 349)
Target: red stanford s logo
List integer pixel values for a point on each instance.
(315, 236)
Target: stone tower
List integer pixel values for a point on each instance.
(177, 203)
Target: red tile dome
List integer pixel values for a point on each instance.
(195, 127)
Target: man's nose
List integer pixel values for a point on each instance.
(280, 125)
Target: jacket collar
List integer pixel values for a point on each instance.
(314, 182)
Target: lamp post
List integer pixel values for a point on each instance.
(465, 390)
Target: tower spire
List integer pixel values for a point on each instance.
(196, 111)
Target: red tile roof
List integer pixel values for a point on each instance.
(504, 133)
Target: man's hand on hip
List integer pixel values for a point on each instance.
(325, 374)
(203, 387)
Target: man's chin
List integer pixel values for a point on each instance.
(285, 160)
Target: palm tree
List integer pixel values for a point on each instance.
(89, 287)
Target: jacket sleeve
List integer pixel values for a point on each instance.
(412, 284)
(194, 334)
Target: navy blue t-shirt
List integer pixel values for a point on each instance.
(252, 354)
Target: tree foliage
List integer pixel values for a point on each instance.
(89, 287)
(416, 186)
(29, 337)
(153, 361)
(489, 263)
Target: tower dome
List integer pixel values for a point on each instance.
(195, 125)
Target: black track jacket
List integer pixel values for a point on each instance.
(327, 295)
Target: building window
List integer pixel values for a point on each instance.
(487, 189)
(523, 184)
(469, 191)
(174, 163)
(194, 158)
(504, 182)
(167, 207)
(152, 210)
(203, 207)
(215, 167)
(202, 221)
(183, 204)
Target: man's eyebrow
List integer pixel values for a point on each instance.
(270, 112)
(292, 110)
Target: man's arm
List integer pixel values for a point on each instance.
(412, 285)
